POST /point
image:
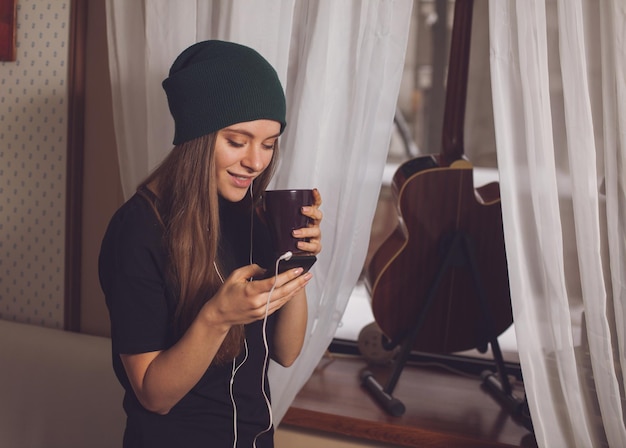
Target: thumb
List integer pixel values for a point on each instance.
(250, 271)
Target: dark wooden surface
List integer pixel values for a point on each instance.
(443, 409)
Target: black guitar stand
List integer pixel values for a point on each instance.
(458, 252)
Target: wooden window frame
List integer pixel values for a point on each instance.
(8, 25)
(75, 157)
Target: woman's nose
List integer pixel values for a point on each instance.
(253, 159)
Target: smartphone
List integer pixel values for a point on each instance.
(296, 261)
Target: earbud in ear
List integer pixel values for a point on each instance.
(286, 256)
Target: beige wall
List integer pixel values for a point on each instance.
(33, 142)
(33, 148)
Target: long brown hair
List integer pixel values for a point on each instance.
(189, 211)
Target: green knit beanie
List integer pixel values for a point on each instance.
(215, 84)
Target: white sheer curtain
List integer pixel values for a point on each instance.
(559, 93)
(341, 63)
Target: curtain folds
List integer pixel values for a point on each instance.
(342, 95)
(340, 63)
(558, 82)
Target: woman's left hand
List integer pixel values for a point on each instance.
(312, 232)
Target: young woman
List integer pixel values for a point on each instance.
(191, 331)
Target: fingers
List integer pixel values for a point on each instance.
(286, 283)
(317, 197)
(245, 273)
(312, 233)
(282, 288)
(313, 211)
(241, 301)
(280, 296)
(314, 245)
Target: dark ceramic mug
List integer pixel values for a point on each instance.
(282, 210)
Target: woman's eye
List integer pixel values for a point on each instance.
(269, 145)
(235, 144)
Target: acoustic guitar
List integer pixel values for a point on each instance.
(449, 241)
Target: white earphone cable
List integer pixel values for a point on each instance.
(232, 396)
(285, 256)
(251, 223)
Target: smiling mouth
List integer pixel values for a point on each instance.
(242, 181)
(240, 177)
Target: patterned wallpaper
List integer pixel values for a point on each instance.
(33, 120)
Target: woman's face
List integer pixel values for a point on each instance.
(242, 152)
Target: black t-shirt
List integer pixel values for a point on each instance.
(132, 267)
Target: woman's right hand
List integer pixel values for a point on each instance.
(242, 301)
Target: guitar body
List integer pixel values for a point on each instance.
(434, 204)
